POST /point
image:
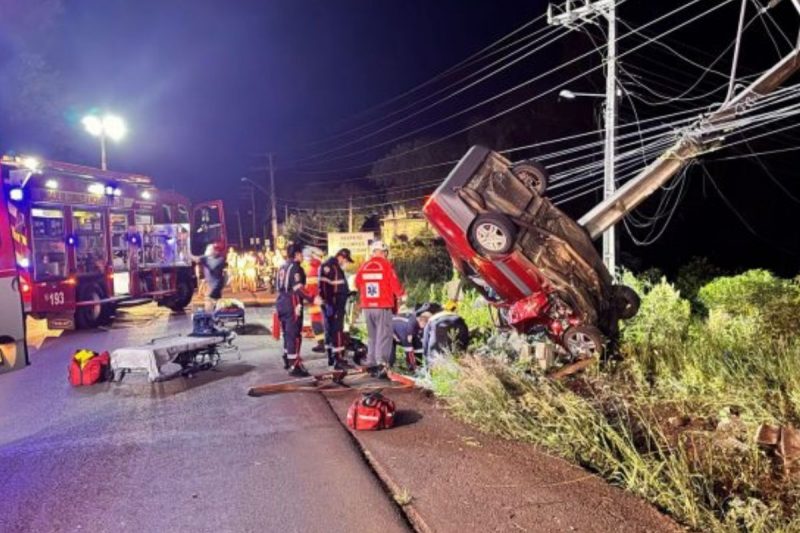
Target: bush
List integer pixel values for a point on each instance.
(422, 261)
(755, 300)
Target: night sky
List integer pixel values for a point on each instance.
(207, 85)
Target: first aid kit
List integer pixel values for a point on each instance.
(372, 411)
(87, 368)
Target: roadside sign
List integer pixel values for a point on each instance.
(357, 243)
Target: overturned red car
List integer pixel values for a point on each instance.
(525, 255)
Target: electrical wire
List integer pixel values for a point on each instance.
(718, 6)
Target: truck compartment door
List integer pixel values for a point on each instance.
(13, 349)
(208, 226)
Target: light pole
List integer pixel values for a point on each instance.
(108, 127)
(609, 166)
(263, 190)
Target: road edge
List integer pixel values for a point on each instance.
(412, 517)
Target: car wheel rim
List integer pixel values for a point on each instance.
(581, 345)
(491, 237)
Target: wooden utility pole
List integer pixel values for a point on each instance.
(274, 209)
(569, 16)
(239, 223)
(689, 146)
(350, 215)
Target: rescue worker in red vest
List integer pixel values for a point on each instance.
(312, 255)
(291, 296)
(380, 293)
(334, 291)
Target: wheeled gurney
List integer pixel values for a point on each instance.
(167, 357)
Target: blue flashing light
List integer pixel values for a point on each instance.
(72, 240)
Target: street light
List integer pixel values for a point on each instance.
(566, 94)
(110, 126)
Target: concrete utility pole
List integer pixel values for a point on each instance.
(691, 144)
(568, 16)
(239, 223)
(253, 213)
(350, 215)
(274, 208)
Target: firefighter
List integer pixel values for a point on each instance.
(291, 295)
(334, 291)
(380, 293)
(213, 263)
(312, 256)
(408, 335)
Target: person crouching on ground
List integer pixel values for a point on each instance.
(291, 296)
(408, 335)
(380, 293)
(213, 263)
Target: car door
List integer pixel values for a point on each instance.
(13, 349)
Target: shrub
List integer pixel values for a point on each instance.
(755, 300)
(422, 261)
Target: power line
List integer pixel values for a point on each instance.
(538, 96)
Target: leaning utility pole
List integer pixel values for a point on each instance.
(690, 145)
(568, 16)
(274, 209)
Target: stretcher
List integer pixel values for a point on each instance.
(163, 358)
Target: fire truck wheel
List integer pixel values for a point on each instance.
(626, 302)
(533, 175)
(92, 316)
(183, 295)
(583, 341)
(492, 234)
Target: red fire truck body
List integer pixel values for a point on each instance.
(87, 240)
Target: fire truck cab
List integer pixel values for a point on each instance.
(87, 240)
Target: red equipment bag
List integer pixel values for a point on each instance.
(94, 370)
(276, 326)
(371, 412)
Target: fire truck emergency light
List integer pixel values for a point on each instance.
(146, 195)
(96, 188)
(51, 184)
(72, 240)
(23, 262)
(16, 194)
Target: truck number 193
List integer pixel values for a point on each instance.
(54, 298)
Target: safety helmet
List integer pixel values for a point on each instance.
(378, 245)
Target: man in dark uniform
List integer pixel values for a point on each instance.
(291, 296)
(334, 291)
(407, 330)
(445, 332)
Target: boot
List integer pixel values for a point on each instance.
(319, 348)
(285, 362)
(298, 370)
(331, 358)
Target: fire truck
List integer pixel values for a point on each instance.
(86, 241)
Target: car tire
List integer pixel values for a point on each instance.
(582, 342)
(626, 302)
(92, 316)
(493, 234)
(183, 295)
(533, 174)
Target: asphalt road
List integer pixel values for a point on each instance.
(197, 455)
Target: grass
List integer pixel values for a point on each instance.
(403, 497)
(674, 421)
